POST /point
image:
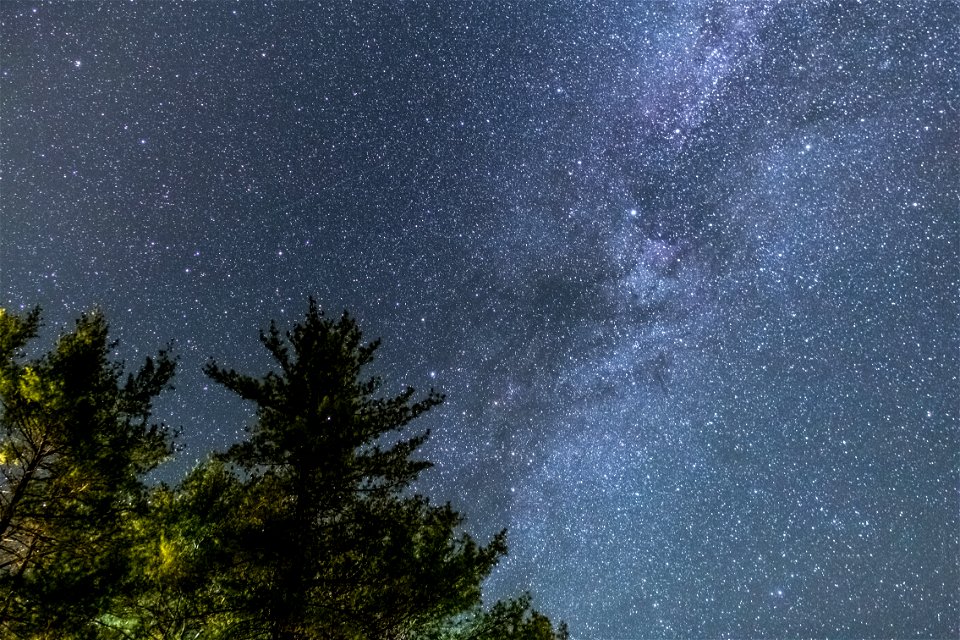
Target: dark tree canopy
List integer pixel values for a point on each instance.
(348, 553)
(75, 441)
(307, 529)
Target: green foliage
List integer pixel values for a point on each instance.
(181, 563)
(306, 529)
(75, 440)
(515, 620)
(505, 620)
(331, 542)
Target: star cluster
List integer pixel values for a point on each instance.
(687, 272)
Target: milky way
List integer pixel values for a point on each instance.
(687, 272)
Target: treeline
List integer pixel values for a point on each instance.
(306, 529)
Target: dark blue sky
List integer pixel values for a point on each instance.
(687, 272)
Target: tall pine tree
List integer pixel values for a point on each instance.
(332, 545)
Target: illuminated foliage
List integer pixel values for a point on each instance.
(75, 441)
(307, 529)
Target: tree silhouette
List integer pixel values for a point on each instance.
(338, 546)
(307, 529)
(74, 444)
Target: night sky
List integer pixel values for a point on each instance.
(687, 272)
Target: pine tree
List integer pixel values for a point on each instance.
(332, 544)
(75, 442)
(308, 529)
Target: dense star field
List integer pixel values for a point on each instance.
(687, 272)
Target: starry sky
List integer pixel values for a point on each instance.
(687, 272)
